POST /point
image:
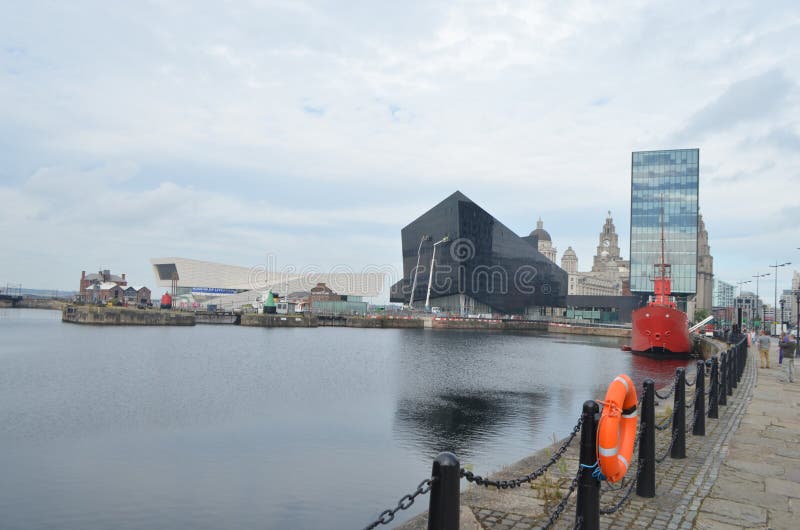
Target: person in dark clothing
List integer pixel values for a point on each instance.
(789, 351)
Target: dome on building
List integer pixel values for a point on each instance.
(540, 232)
(569, 253)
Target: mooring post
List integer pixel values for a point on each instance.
(731, 364)
(679, 416)
(713, 392)
(723, 378)
(445, 502)
(646, 486)
(735, 368)
(742, 357)
(587, 509)
(699, 428)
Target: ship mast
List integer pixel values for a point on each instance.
(663, 259)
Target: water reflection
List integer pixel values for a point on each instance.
(463, 423)
(226, 427)
(662, 371)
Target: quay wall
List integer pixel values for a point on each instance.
(384, 322)
(35, 303)
(589, 330)
(278, 321)
(526, 325)
(123, 316)
(216, 318)
(467, 323)
(706, 347)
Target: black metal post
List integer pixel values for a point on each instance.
(679, 416)
(742, 357)
(646, 486)
(699, 428)
(735, 368)
(713, 396)
(445, 503)
(729, 370)
(588, 503)
(723, 378)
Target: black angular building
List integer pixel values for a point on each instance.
(480, 265)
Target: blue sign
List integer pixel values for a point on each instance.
(212, 290)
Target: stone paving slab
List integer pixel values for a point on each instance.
(763, 474)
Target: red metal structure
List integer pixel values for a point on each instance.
(660, 327)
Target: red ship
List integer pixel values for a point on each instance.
(659, 327)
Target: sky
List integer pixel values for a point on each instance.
(309, 133)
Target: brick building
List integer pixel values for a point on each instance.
(103, 286)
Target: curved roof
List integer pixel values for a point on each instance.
(540, 232)
(569, 253)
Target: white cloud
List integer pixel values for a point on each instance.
(183, 127)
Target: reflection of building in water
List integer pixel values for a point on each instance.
(460, 422)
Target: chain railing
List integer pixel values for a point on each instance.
(530, 477)
(663, 457)
(668, 394)
(615, 507)
(563, 504)
(665, 424)
(444, 484)
(405, 502)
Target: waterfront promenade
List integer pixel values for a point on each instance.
(758, 485)
(744, 473)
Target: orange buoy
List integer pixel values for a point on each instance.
(616, 433)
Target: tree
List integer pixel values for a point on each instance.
(700, 314)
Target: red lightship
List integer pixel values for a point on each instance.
(659, 327)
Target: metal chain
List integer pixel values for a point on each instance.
(530, 477)
(387, 516)
(666, 423)
(563, 504)
(668, 395)
(666, 453)
(618, 505)
(692, 383)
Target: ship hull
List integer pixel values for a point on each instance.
(660, 330)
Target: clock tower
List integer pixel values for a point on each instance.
(607, 247)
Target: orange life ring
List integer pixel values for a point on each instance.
(616, 433)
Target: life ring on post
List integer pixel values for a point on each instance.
(616, 433)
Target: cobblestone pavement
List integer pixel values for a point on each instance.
(683, 486)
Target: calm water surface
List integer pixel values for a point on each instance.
(228, 427)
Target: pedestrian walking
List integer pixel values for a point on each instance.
(763, 349)
(789, 349)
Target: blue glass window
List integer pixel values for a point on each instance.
(669, 178)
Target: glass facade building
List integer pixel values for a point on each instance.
(668, 178)
(477, 257)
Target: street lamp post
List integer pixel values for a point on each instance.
(780, 322)
(775, 300)
(797, 328)
(738, 299)
(422, 240)
(759, 312)
(445, 239)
